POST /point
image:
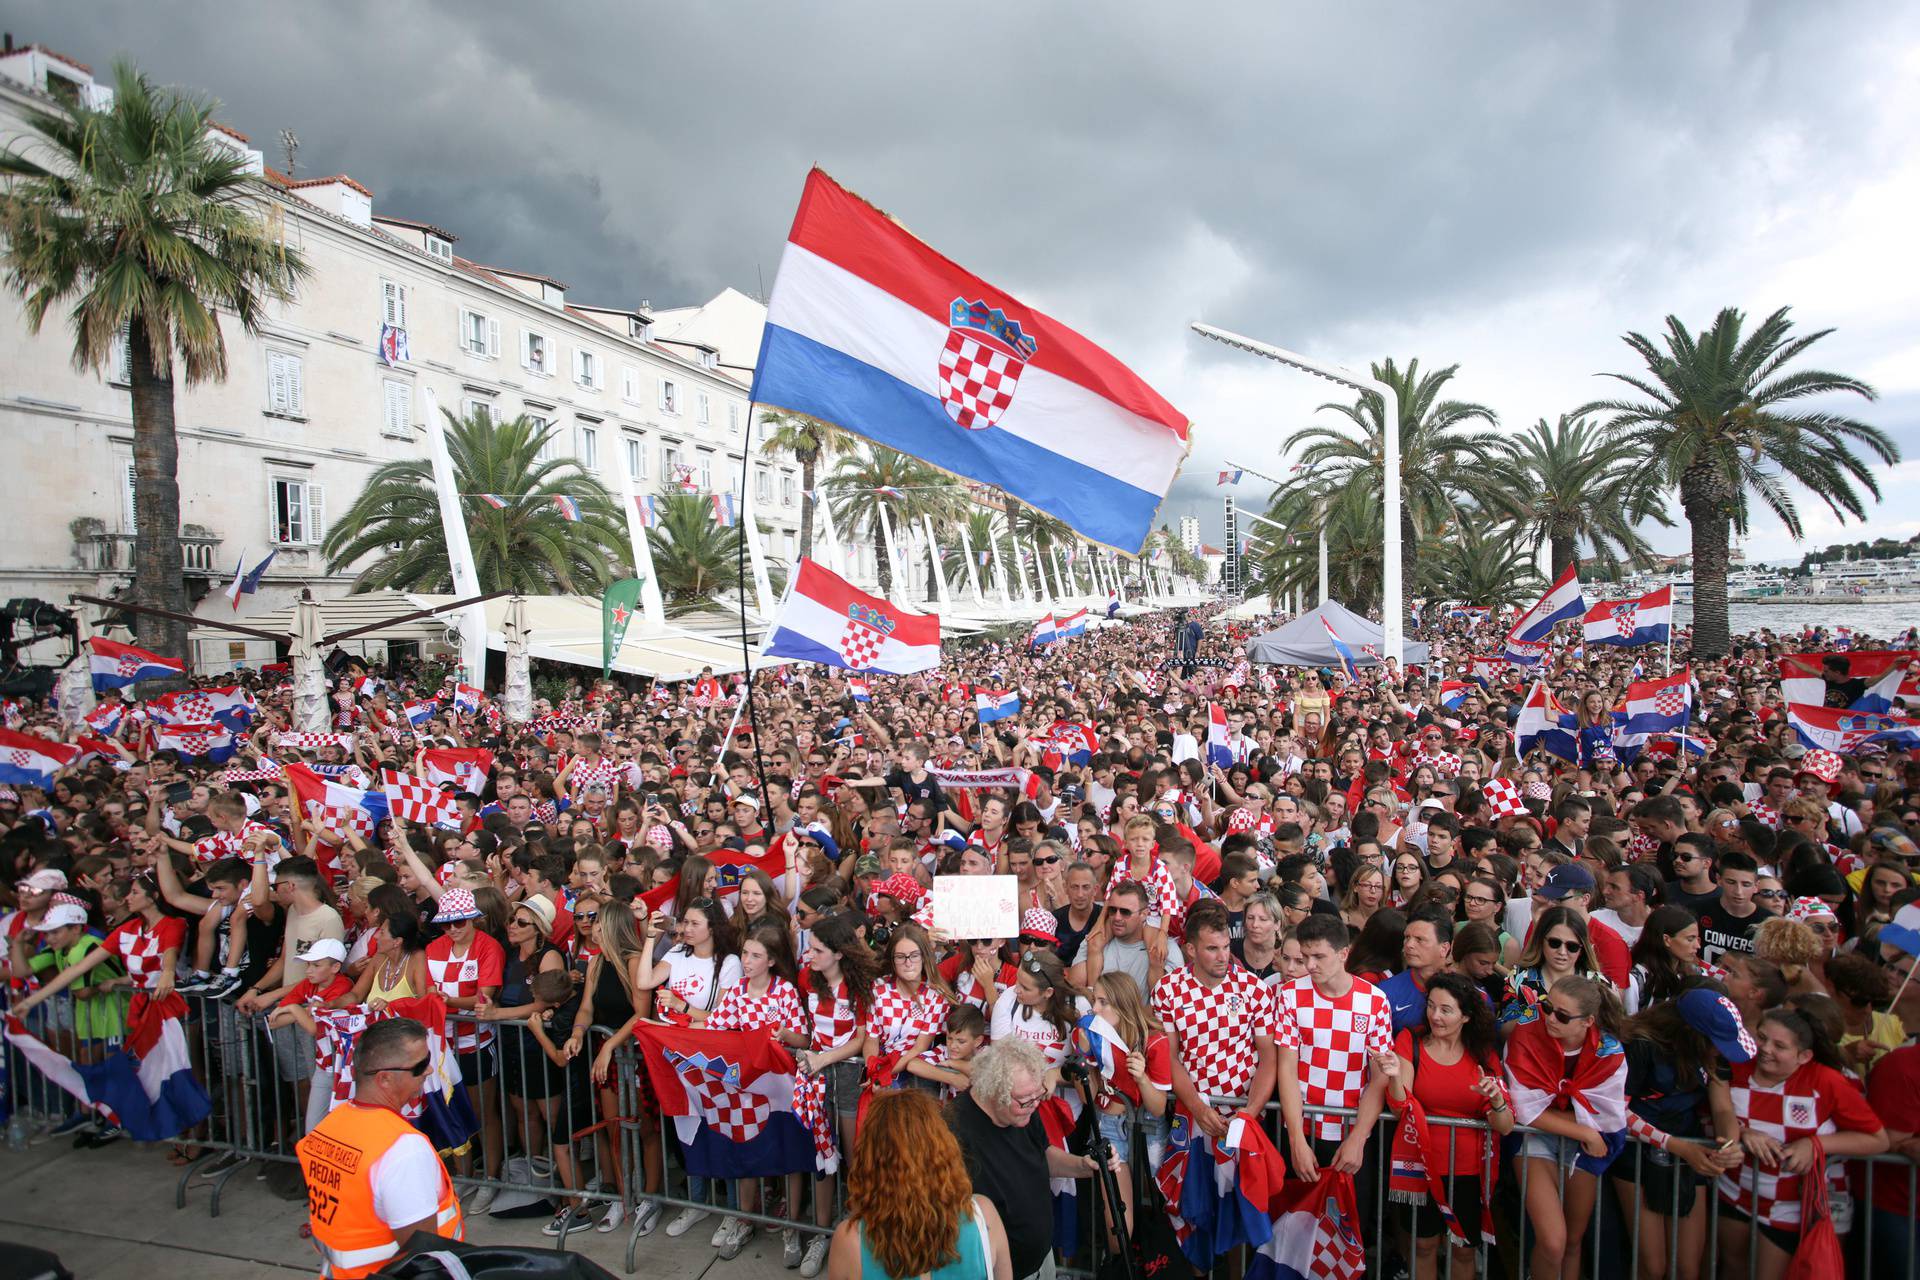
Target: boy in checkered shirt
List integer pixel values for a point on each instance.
(1327, 1027)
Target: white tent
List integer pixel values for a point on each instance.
(1304, 641)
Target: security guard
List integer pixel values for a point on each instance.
(373, 1179)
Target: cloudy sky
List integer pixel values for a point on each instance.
(1506, 187)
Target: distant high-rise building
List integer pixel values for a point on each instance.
(1190, 532)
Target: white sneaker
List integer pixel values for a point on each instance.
(482, 1201)
(816, 1257)
(725, 1229)
(646, 1216)
(790, 1250)
(616, 1212)
(684, 1220)
(736, 1239)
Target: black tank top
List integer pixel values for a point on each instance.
(611, 1007)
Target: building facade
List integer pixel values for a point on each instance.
(336, 383)
(1190, 533)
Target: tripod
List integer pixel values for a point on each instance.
(1106, 1183)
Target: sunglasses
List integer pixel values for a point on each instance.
(588, 916)
(1769, 893)
(1560, 1015)
(1564, 944)
(417, 1070)
(1121, 911)
(1046, 862)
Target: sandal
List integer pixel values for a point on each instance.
(184, 1153)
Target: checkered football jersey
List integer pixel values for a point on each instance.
(1216, 1026)
(834, 1020)
(586, 773)
(896, 1019)
(141, 947)
(1333, 1038)
(483, 966)
(1158, 881)
(1813, 1100)
(740, 1010)
(224, 844)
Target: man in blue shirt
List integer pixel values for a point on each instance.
(1427, 949)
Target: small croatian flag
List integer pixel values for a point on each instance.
(723, 515)
(569, 509)
(494, 500)
(649, 511)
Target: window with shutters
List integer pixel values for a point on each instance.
(396, 403)
(733, 418)
(703, 408)
(479, 334)
(120, 360)
(129, 499)
(286, 377)
(439, 248)
(670, 465)
(535, 353)
(393, 303)
(669, 397)
(589, 449)
(544, 432)
(786, 491)
(478, 410)
(587, 369)
(762, 484)
(636, 458)
(630, 384)
(705, 473)
(297, 514)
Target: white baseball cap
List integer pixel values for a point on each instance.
(60, 915)
(326, 949)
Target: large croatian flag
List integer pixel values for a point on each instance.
(872, 330)
(146, 1086)
(1846, 731)
(116, 665)
(1658, 706)
(1545, 724)
(731, 1096)
(334, 806)
(231, 706)
(27, 761)
(1074, 624)
(1646, 619)
(828, 620)
(1561, 602)
(467, 768)
(1800, 675)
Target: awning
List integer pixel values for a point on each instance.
(567, 629)
(344, 613)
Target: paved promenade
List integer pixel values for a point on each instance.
(109, 1215)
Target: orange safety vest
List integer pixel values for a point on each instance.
(338, 1159)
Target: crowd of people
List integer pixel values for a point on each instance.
(1548, 994)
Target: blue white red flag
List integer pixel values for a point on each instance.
(569, 509)
(1646, 619)
(421, 711)
(1218, 750)
(648, 509)
(443, 1110)
(1882, 692)
(872, 330)
(1316, 1233)
(116, 665)
(1103, 1046)
(27, 761)
(857, 688)
(1846, 731)
(1075, 742)
(731, 1095)
(1074, 624)
(393, 345)
(231, 705)
(213, 743)
(1221, 1193)
(1340, 648)
(991, 706)
(1522, 653)
(1800, 679)
(105, 718)
(1471, 614)
(722, 509)
(1045, 631)
(1545, 724)
(146, 1086)
(1661, 705)
(1231, 477)
(466, 699)
(1453, 693)
(494, 500)
(467, 768)
(246, 584)
(828, 620)
(413, 799)
(1488, 671)
(334, 806)
(1561, 602)
(1113, 603)
(1903, 931)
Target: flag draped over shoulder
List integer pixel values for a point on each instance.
(146, 1086)
(1596, 1089)
(732, 1096)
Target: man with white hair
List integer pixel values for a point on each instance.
(1007, 1154)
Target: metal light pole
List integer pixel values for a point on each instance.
(1392, 624)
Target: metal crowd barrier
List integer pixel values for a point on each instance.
(257, 1118)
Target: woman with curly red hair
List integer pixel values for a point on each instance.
(911, 1210)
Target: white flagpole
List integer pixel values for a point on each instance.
(652, 609)
(453, 526)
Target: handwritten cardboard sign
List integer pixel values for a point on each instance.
(977, 906)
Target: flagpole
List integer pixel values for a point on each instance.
(746, 649)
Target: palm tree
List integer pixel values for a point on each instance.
(1566, 484)
(698, 561)
(1290, 561)
(526, 545)
(809, 440)
(916, 490)
(1716, 424)
(1440, 462)
(147, 230)
(1480, 565)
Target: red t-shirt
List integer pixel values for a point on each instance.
(1893, 1091)
(1610, 949)
(304, 990)
(1446, 1091)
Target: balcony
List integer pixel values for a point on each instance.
(103, 552)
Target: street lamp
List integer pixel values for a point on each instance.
(1392, 641)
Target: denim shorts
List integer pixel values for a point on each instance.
(1562, 1152)
(293, 1052)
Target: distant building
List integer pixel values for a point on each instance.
(1214, 558)
(1190, 532)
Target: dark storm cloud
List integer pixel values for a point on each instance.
(1328, 173)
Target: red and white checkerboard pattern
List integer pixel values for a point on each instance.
(338, 819)
(230, 844)
(1761, 811)
(314, 741)
(1623, 619)
(860, 645)
(977, 380)
(601, 772)
(1813, 1100)
(463, 976)
(1503, 798)
(896, 1019)
(834, 1021)
(1164, 900)
(740, 1010)
(1671, 700)
(1444, 763)
(141, 948)
(1216, 1026)
(1333, 1038)
(412, 800)
(735, 1115)
(1822, 764)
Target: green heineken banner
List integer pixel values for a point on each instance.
(616, 611)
